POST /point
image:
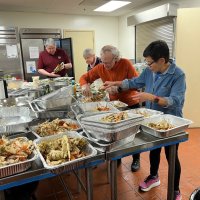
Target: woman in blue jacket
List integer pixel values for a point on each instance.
(165, 88)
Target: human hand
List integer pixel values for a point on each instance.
(54, 75)
(112, 90)
(86, 90)
(68, 66)
(144, 96)
(108, 84)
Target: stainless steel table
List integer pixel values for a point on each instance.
(38, 172)
(145, 142)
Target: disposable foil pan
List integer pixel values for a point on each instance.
(110, 135)
(14, 111)
(96, 120)
(10, 125)
(40, 105)
(73, 164)
(146, 112)
(180, 125)
(91, 107)
(33, 128)
(15, 168)
(104, 146)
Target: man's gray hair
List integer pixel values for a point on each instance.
(109, 48)
(88, 52)
(50, 41)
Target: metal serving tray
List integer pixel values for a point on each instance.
(119, 105)
(180, 124)
(14, 111)
(113, 136)
(146, 112)
(96, 120)
(104, 146)
(54, 100)
(15, 168)
(90, 151)
(91, 107)
(11, 125)
(33, 128)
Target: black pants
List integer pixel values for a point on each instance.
(155, 161)
(137, 155)
(22, 192)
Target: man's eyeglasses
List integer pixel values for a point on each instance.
(148, 64)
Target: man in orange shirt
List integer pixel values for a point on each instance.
(113, 68)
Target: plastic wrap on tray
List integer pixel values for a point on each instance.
(34, 128)
(19, 167)
(178, 125)
(97, 107)
(89, 150)
(146, 112)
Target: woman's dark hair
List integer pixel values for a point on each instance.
(156, 50)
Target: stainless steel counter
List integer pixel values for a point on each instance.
(145, 142)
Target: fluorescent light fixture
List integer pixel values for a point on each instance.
(111, 5)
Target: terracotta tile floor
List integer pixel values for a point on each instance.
(128, 181)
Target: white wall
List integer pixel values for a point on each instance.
(126, 39)
(105, 28)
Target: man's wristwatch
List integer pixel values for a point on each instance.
(156, 99)
(119, 89)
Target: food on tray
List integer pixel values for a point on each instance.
(162, 125)
(102, 108)
(119, 104)
(94, 98)
(55, 126)
(63, 149)
(142, 112)
(14, 150)
(59, 67)
(116, 117)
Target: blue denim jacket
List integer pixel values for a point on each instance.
(170, 85)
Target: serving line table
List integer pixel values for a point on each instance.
(37, 172)
(145, 142)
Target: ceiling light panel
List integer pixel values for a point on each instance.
(111, 6)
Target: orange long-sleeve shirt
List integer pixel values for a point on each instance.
(123, 69)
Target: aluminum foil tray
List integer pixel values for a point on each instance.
(180, 124)
(14, 111)
(90, 151)
(14, 124)
(40, 105)
(96, 120)
(91, 107)
(119, 105)
(112, 136)
(146, 112)
(12, 169)
(33, 128)
(103, 146)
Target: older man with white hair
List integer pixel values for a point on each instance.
(113, 68)
(53, 62)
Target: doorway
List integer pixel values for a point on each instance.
(80, 41)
